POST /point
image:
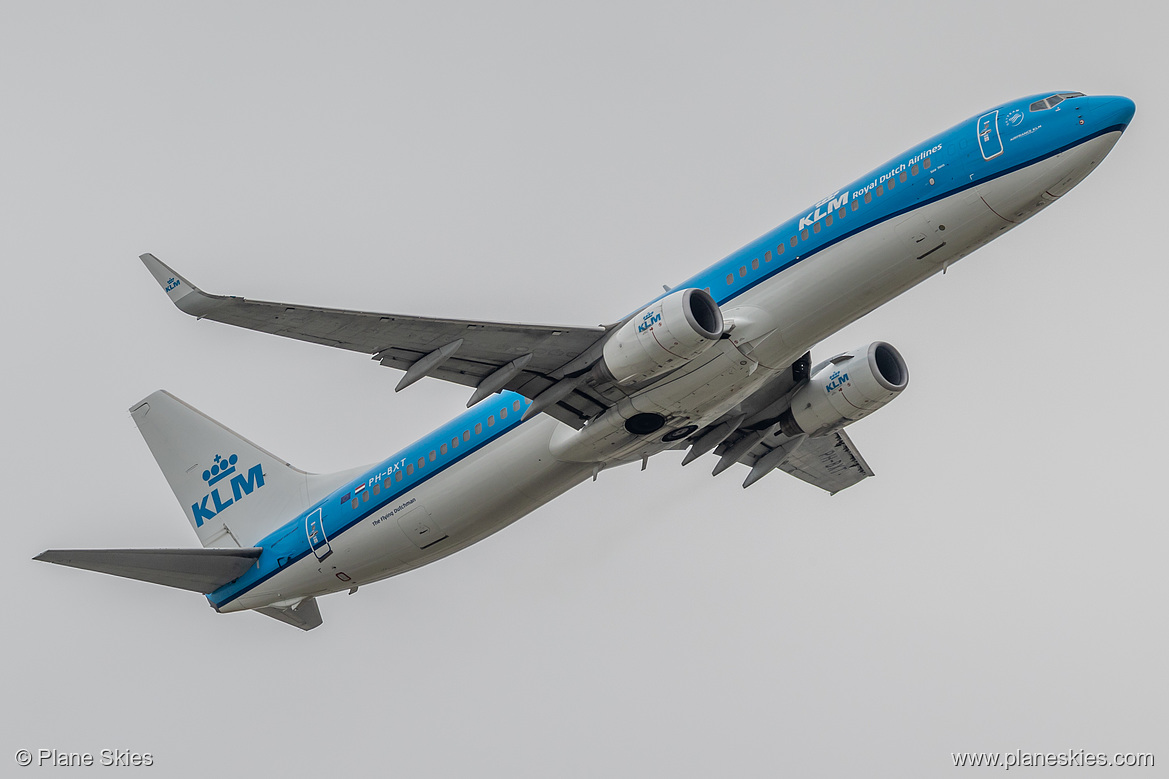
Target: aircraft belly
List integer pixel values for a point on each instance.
(781, 319)
(484, 494)
(466, 503)
(1022, 194)
(836, 287)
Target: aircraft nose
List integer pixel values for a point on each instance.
(1110, 111)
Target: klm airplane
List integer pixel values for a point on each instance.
(720, 364)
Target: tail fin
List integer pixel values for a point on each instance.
(232, 491)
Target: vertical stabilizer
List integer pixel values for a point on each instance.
(232, 491)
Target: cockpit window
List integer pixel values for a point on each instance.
(1053, 101)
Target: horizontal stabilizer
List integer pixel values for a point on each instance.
(305, 615)
(199, 570)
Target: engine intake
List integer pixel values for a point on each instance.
(850, 387)
(667, 334)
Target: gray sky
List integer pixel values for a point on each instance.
(1000, 585)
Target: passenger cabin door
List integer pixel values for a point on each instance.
(314, 528)
(988, 135)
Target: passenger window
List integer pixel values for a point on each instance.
(730, 278)
(421, 462)
(755, 264)
(914, 170)
(779, 250)
(433, 455)
(816, 227)
(354, 504)
(442, 449)
(503, 413)
(478, 428)
(365, 497)
(926, 163)
(794, 241)
(880, 190)
(767, 255)
(466, 435)
(857, 204)
(902, 177)
(804, 234)
(868, 197)
(840, 214)
(377, 488)
(742, 270)
(454, 443)
(515, 406)
(828, 221)
(397, 476)
(491, 421)
(409, 469)
(892, 183)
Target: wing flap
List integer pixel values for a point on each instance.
(198, 570)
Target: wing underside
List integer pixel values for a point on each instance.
(489, 356)
(831, 462)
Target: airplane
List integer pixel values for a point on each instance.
(719, 364)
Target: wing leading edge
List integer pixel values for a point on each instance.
(490, 356)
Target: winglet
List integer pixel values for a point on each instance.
(189, 298)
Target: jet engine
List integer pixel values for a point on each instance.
(849, 387)
(667, 334)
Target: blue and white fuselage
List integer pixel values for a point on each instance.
(778, 296)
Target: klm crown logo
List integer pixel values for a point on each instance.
(649, 320)
(241, 485)
(836, 381)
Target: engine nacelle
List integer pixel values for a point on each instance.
(852, 386)
(667, 334)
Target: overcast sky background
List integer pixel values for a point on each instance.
(1000, 585)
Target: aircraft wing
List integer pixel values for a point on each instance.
(490, 356)
(831, 462)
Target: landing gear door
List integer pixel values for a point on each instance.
(314, 528)
(988, 135)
